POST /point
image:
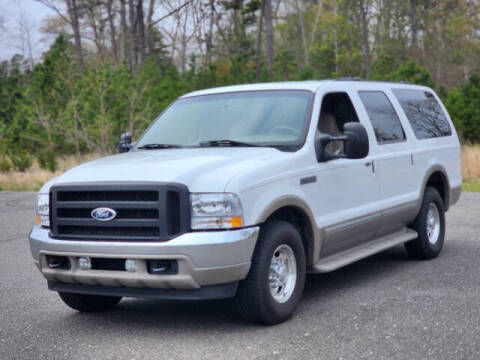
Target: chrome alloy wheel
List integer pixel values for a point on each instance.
(433, 223)
(282, 274)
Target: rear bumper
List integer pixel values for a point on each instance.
(204, 259)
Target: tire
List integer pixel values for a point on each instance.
(89, 303)
(426, 247)
(256, 302)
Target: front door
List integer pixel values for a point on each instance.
(348, 189)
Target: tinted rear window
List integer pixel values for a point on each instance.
(424, 113)
(384, 119)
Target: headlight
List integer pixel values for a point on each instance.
(42, 210)
(215, 211)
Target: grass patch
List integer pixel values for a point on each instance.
(35, 177)
(471, 185)
(21, 187)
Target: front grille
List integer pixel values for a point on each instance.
(144, 212)
(107, 195)
(101, 231)
(121, 213)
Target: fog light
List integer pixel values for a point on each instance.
(131, 265)
(162, 267)
(85, 263)
(58, 262)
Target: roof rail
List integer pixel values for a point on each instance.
(348, 79)
(374, 81)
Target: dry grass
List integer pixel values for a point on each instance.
(471, 162)
(34, 178)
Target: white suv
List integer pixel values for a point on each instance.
(239, 191)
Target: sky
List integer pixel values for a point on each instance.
(32, 13)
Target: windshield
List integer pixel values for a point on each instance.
(256, 118)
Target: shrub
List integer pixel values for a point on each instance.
(21, 160)
(4, 166)
(48, 160)
(463, 104)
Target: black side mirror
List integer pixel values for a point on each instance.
(356, 145)
(354, 138)
(125, 143)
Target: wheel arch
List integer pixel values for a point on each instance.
(296, 211)
(437, 178)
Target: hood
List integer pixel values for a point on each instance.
(201, 169)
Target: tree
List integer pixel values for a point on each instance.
(366, 47)
(72, 18)
(414, 24)
(267, 6)
(463, 104)
(133, 38)
(74, 21)
(2, 25)
(113, 35)
(141, 31)
(123, 31)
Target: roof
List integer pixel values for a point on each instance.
(309, 85)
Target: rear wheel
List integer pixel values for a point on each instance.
(89, 303)
(274, 286)
(430, 226)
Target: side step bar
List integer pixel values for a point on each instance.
(349, 256)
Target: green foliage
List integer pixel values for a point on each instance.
(47, 160)
(4, 166)
(463, 104)
(388, 68)
(21, 160)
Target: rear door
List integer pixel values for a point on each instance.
(394, 162)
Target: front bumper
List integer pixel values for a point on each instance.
(204, 259)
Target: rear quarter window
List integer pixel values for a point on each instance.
(424, 113)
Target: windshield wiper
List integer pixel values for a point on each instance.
(158, 146)
(227, 142)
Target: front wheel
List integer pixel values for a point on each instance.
(430, 226)
(274, 286)
(89, 303)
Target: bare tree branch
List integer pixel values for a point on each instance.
(52, 6)
(172, 12)
(2, 25)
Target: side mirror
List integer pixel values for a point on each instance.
(125, 143)
(355, 141)
(356, 144)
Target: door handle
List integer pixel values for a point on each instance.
(370, 164)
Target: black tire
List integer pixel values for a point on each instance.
(89, 303)
(421, 248)
(254, 300)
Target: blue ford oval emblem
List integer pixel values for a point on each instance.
(103, 214)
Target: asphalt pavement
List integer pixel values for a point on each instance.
(384, 307)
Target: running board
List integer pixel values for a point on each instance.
(349, 256)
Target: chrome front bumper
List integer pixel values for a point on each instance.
(204, 258)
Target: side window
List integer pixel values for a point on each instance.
(337, 109)
(385, 121)
(424, 113)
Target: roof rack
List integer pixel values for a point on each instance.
(374, 81)
(348, 79)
